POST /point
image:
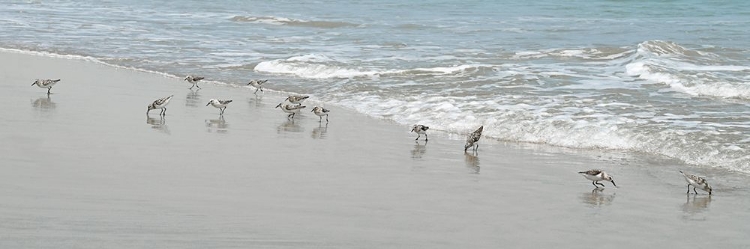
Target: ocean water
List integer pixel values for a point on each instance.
(666, 78)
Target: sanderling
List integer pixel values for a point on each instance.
(160, 104)
(320, 111)
(596, 175)
(46, 84)
(258, 84)
(473, 138)
(194, 80)
(296, 99)
(221, 104)
(291, 109)
(420, 129)
(696, 181)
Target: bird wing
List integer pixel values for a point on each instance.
(591, 172)
(224, 102)
(160, 101)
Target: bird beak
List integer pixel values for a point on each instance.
(613, 183)
(208, 103)
(312, 110)
(33, 83)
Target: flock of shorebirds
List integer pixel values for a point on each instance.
(293, 105)
(594, 175)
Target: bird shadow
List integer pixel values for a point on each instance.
(597, 197)
(319, 132)
(218, 125)
(159, 124)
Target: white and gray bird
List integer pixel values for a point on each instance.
(473, 138)
(296, 99)
(160, 104)
(194, 80)
(320, 111)
(221, 104)
(596, 175)
(45, 84)
(420, 129)
(291, 109)
(696, 182)
(258, 84)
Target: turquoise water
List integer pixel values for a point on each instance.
(667, 78)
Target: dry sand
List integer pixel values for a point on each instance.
(85, 168)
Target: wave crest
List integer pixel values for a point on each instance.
(322, 67)
(292, 22)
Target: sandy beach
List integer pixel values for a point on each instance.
(85, 168)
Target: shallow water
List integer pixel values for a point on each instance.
(662, 78)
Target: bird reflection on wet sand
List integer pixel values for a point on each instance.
(217, 125)
(696, 204)
(288, 126)
(193, 98)
(44, 103)
(320, 131)
(257, 101)
(472, 161)
(159, 124)
(597, 197)
(419, 149)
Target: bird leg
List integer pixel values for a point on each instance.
(696, 192)
(599, 183)
(418, 135)
(326, 118)
(49, 89)
(425, 137)
(321, 119)
(688, 192)
(594, 183)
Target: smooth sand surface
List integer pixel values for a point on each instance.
(85, 168)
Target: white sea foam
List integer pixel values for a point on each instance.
(664, 62)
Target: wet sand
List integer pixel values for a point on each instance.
(85, 168)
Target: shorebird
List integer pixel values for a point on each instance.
(45, 84)
(291, 109)
(320, 111)
(296, 99)
(160, 104)
(473, 138)
(596, 175)
(420, 129)
(221, 104)
(258, 84)
(194, 80)
(696, 181)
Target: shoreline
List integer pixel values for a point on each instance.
(84, 162)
